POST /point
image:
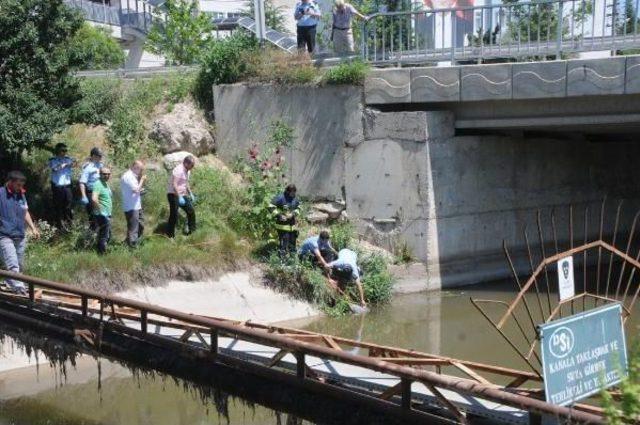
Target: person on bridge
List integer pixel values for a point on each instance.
(341, 32)
(285, 208)
(179, 195)
(318, 249)
(102, 204)
(131, 188)
(14, 213)
(88, 178)
(345, 271)
(62, 195)
(307, 14)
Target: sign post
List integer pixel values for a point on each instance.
(566, 284)
(583, 353)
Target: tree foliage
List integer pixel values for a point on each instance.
(36, 88)
(273, 15)
(180, 32)
(626, 409)
(94, 48)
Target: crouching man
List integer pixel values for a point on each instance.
(318, 250)
(344, 271)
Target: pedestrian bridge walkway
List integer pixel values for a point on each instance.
(390, 385)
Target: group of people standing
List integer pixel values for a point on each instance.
(341, 267)
(307, 15)
(97, 198)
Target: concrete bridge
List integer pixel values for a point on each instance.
(448, 162)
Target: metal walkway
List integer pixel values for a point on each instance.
(414, 386)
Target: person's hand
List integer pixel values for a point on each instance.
(181, 201)
(35, 233)
(84, 200)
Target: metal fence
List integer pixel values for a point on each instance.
(510, 30)
(135, 14)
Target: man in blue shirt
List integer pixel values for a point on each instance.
(14, 213)
(318, 249)
(61, 171)
(285, 209)
(88, 178)
(345, 270)
(307, 14)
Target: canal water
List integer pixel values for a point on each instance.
(440, 322)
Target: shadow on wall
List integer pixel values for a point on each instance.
(322, 120)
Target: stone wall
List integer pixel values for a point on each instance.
(408, 179)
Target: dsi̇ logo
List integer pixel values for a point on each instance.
(561, 342)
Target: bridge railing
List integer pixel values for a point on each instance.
(136, 14)
(408, 370)
(509, 30)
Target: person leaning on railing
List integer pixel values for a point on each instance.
(341, 32)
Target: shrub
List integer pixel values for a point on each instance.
(222, 63)
(627, 409)
(278, 67)
(95, 48)
(352, 73)
(99, 99)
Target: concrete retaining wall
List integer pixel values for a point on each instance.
(408, 179)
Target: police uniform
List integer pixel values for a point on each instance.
(89, 176)
(61, 191)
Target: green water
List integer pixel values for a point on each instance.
(442, 323)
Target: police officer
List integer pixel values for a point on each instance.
(61, 172)
(88, 178)
(285, 209)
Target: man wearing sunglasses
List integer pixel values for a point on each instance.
(61, 171)
(101, 201)
(14, 213)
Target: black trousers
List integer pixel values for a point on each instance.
(287, 242)
(62, 202)
(103, 225)
(307, 38)
(173, 214)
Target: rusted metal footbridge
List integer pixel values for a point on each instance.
(394, 385)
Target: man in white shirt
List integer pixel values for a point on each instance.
(344, 271)
(131, 187)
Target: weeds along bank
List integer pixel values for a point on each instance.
(234, 225)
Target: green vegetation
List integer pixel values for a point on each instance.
(36, 88)
(126, 106)
(95, 48)
(180, 32)
(347, 73)
(627, 409)
(274, 15)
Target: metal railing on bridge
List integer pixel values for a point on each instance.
(134, 14)
(512, 30)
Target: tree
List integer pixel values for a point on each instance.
(36, 88)
(180, 32)
(626, 409)
(273, 15)
(94, 48)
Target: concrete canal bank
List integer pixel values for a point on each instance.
(411, 176)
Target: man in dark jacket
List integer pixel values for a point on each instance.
(285, 209)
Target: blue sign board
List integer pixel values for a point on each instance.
(583, 353)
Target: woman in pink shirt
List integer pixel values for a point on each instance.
(179, 195)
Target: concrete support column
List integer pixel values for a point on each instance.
(134, 56)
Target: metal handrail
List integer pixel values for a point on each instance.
(528, 30)
(301, 348)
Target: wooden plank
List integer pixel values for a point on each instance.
(331, 343)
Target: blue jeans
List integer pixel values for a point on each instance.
(12, 253)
